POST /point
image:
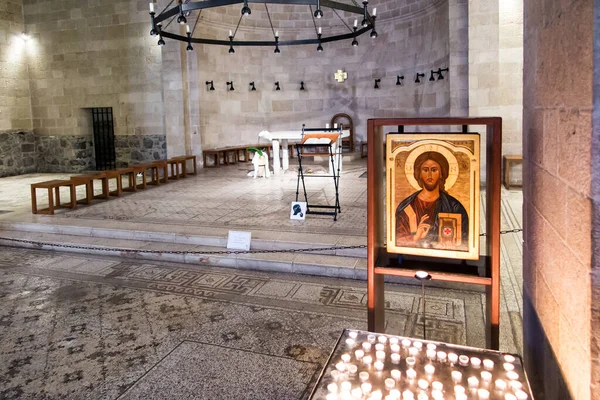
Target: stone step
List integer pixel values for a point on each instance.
(189, 253)
(261, 240)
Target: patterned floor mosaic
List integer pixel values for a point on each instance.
(76, 327)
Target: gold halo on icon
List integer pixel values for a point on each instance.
(426, 147)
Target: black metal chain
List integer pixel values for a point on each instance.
(516, 230)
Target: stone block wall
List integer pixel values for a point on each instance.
(64, 153)
(15, 105)
(131, 149)
(17, 153)
(559, 39)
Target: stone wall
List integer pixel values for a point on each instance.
(132, 149)
(17, 153)
(557, 136)
(15, 104)
(64, 153)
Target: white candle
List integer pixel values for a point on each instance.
(516, 385)
(340, 366)
(378, 365)
(509, 358)
(346, 386)
(521, 395)
(411, 373)
(512, 375)
(390, 397)
(475, 362)
(357, 393)
(394, 340)
(395, 347)
(429, 369)
(151, 7)
(346, 357)
(437, 394)
(319, 30)
(459, 389)
(335, 374)
(370, 338)
(365, 345)
(413, 351)
(363, 376)
(418, 345)
(353, 334)
(366, 387)
(375, 11)
(488, 364)
(483, 394)
(463, 360)
(423, 396)
(408, 395)
(486, 376)
(508, 367)
(395, 393)
(230, 33)
(441, 356)
(376, 395)
(423, 384)
(332, 387)
(355, 23)
(367, 359)
(332, 396)
(396, 374)
(276, 33)
(431, 346)
(352, 369)
(410, 361)
(379, 347)
(380, 355)
(510, 396)
(359, 354)
(436, 385)
(453, 358)
(389, 383)
(395, 358)
(381, 339)
(187, 28)
(456, 376)
(500, 384)
(473, 382)
(461, 396)
(431, 354)
(406, 343)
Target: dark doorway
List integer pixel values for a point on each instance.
(104, 138)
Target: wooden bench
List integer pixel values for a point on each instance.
(118, 174)
(235, 151)
(88, 181)
(53, 188)
(185, 159)
(176, 171)
(509, 160)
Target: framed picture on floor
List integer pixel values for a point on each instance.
(432, 185)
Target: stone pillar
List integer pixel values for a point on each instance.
(458, 15)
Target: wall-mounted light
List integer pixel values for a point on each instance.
(302, 85)
(230, 85)
(399, 80)
(354, 28)
(246, 10)
(212, 86)
(417, 80)
(252, 87)
(181, 18)
(189, 37)
(377, 83)
(431, 78)
(277, 86)
(439, 73)
(25, 36)
(318, 12)
(231, 50)
(276, 51)
(373, 34)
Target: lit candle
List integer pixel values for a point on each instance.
(463, 360)
(508, 367)
(406, 343)
(359, 354)
(410, 361)
(423, 396)
(332, 387)
(521, 395)
(350, 342)
(389, 383)
(187, 28)
(441, 356)
(429, 369)
(395, 393)
(431, 346)
(276, 33)
(396, 374)
(395, 347)
(352, 369)
(331, 396)
(413, 351)
(510, 396)
(230, 33)
(453, 358)
(500, 384)
(431, 354)
(512, 375)
(367, 359)
(408, 395)
(395, 358)
(357, 393)
(459, 390)
(456, 376)
(376, 395)
(346, 357)
(423, 384)
(353, 334)
(370, 338)
(509, 358)
(486, 376)
(319, 30)
(394, 340)
(473, 382)
(365, 345)
(516, 385)
(346, 386)
(366, 387)
(437, 385)
(378, 365)
(390, 397)
(475, 362)
(379, 347)
(488, 364)
(411, 373)
(335, 374)
(355, 23)
(380, 355)
(483, 394)
(382, 339)
(340, 366)
(363, 376)
(418, 345)
(375, 12)
(461, 396)
(151, 7)
(437, 394)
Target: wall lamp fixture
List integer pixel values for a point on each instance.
(277, 86)
(252, 87)
(439, 73)
(399, 80)
(377, 83)
(212, 86)
(302, 85)
(230, 85)
(419, 75)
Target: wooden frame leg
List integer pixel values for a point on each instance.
(57, 192)
(33, 201)
(89, 189)
(73, 196)
(50, 202)
(105, 189)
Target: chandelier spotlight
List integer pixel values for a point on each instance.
(182, 11)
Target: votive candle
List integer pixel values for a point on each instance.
(366, 387)
(371, 338)
(352, 369)
(367, 359)
(378, 365)
(346, 357)
(340, 366)
(459, 390)
(516, 385)
(429, 369)
(363, 376)
(381, 339)
(394, 340)
(346, 386)
(413, 351)
(380, 355)
(418, 345)
(441, 356)
(456, 376)
(353, 334)
(406, 343)
(483, 394)
(410, 361)
(408, 395)
(509, 358)
(379, 347)
(508, 367)
(366, 346)
(510, 396)
(486, 376)
(411, 373)
(389, 383)
(431, 346)
(473, 382)
(332, 387)
(488, 364)
(500, 384)
(395, 347)
(396, 374)
(453, 358)
(512, 375)
(359, 354)
(395, 358)
(431, 354)
(423, 384)
(350, 342)
(463, 360)
(521, 395)
(475, 362)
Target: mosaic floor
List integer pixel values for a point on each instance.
(76, 327)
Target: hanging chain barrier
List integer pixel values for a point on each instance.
(306, 250)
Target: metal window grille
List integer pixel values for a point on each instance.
(104, 138)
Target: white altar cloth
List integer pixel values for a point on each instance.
(284, 136)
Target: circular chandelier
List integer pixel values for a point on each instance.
(183, 11)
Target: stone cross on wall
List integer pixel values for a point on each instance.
(340, 76)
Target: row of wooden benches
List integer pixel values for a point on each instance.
(178, 167)
(236, 154)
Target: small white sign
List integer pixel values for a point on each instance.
(237, 240)
(298, 210)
